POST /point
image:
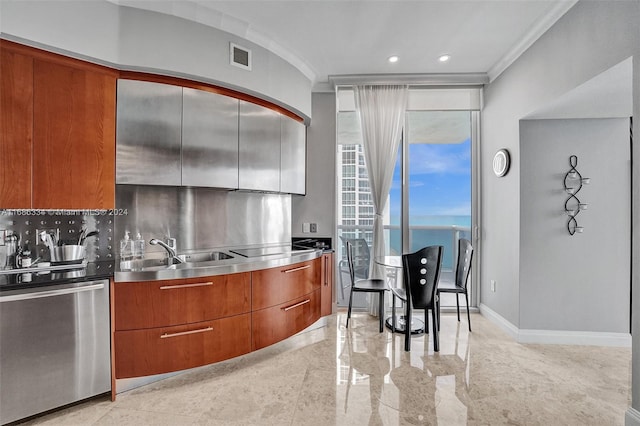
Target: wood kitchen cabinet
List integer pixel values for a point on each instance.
(171, 325)
(74, 136)
(276, 323)
(326, 280)
(164, 303)
(164, 349)
(285, 300)
(279, 285)
(59, 151)
(16, 137)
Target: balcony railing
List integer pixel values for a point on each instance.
(419, 237)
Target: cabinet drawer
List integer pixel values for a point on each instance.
(276, 323)
(280, 285)
(171, 302)
(166, 349)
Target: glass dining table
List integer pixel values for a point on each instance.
(393, 277)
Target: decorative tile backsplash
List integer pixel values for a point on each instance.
(24, 226)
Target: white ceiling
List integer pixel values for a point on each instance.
(325, 38)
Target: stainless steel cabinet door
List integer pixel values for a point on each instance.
(209, 139)
(293, 156)
(148, 133)
(259, 148)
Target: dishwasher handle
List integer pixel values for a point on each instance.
(90, 286)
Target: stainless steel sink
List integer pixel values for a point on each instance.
(204, 257)
(141, 264)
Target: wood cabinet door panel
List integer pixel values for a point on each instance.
(162, 350)
(326, 305)
(164, 303)
(74, 137)
(16, 137)
(276, 323)
(279, 285)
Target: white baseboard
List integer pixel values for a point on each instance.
(561, 337)
(575, 338)
(499, 320)
(632, 417)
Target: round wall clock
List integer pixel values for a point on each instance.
(501, 162)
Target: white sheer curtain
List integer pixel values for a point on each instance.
(381, 109)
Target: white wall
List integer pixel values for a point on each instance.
(579, 282)
(135, 39)
(319, 203)
(591, 38)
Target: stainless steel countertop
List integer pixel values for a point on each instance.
(215, 267)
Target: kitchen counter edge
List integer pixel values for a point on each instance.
(205, 269)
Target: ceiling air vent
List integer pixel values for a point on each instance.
(239, 56)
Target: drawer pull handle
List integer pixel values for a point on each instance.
(297, 269)
(183, 333)
(304, 302)
(326, 271)
(169, 287)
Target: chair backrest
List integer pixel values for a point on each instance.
(463, 267)
(361, 256)
(421, 272)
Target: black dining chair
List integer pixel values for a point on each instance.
(361, 260)
(421, 272)
(366, 286)
(459, 285)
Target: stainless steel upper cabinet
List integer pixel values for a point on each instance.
(293, 156)
(148, 133)
(209, 140)
(259, 159)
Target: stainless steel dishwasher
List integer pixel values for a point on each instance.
(54, 347)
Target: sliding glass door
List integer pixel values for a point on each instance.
(432, 193)
(438, 190)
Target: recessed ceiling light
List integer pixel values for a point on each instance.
(393, 59)
(444, 58)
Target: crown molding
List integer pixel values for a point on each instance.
(453, 79)
(527, 41)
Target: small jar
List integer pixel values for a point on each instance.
(25, 259)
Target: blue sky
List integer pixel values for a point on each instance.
(439, 182)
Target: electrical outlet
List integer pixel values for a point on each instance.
(493, 286)
(313, 227)
(305, 228)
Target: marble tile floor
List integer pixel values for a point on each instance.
(335, 376)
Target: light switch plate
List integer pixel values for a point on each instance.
(313, 227)
(306, 227)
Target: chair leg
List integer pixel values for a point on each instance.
(381, 310)
(458, 305)
(426, 321)
(438, 308)
(437, 305)
(349, 310)
(407, 328)
(436, 343)
(468, 315)
(393, 313)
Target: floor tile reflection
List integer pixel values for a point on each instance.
(335, 376)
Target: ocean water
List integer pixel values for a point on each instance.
(440, 220)
(423, 237)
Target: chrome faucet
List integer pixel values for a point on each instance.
(170, 250)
